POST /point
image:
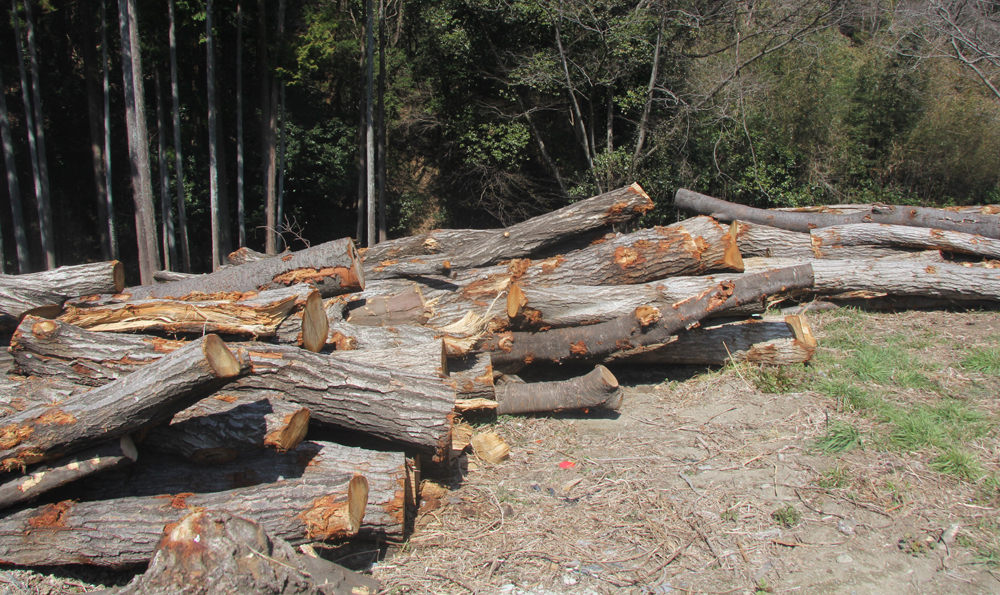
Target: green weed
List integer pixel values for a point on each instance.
(958, 462)
(787, 516)
(834, 478)
(774, 379)
(986, 361)
(839, 437)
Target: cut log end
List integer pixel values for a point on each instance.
(732, 256)
(607, 377)
(128, 448)
(803, 333)
(357, 268)
(515, 300)
(118, 275)
(357, 501)
(329, 517)
(222, 361)
(315, 324)
(294, 432)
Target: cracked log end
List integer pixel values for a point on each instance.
(329, 519)
(222, 361)
(803, 334)
(732, 257)
(118, 275)
(292, 434)
(315, 324)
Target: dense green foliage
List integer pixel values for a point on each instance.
(499, 109)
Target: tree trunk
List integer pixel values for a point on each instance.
(209, 553)
(254, 315)
(389, 479)
(984, 225)
(406, 307)
(649, 98)
(213, 152)
(408, 408)
(596, 390)
(126, 530)
(428, 358)
(220, 428)
(166, 208)
(370, 122)
(121, 407)
(772, 242)
(13, 187)
(17, 396)
(383, 234)
(97, 460)
(56, 349)
(245, 255)
(105, 75)
(240, 215)
(47, 291)
(646, 326)
(29, 120)
(472, 248)
(767, 342)
(268, 113)
(178, 154)
(472, 376)
(865, 235)
(138, 140)
(533, 308)
(45, 206)
(91, 76)
(281, 158)
(333, 267)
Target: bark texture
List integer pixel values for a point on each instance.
(333, 267)
(121, 407)
(598, 389)
(984, 225)
(862, 234)
(46, 292)
(755, 239)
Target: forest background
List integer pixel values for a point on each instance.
(493, 110)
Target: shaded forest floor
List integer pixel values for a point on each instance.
(842, 476)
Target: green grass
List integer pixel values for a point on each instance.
(958, 462)
(984, 360)
(838, 477)
(839, 437)
(787, 516)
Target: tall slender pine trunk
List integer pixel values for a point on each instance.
(13, 187)
(45, 224)
(178, 153)
(96, 121)
(166, 208)
(281, 158)
(138, 139)
(29, 118)
(240, 216)
(383, 234)
(108, 193)
(268, 124)
(370, 121)
(213, 166)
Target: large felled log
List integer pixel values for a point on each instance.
(217, 553)
(598, 389)
(755, 239)
(861, 234)
(770, 342)
(390, 493)
(429, 358)
(646, 326)
(126, 530)
(470, 248)
(333, 268)
(219, 428)
(244, 255)
(984, 225)
(472, 376)
(99, 459)
(132, 403)
(532, 308)
(43, 293)
(20, 394)
(253, 314)
(405, 407)
(405, 307)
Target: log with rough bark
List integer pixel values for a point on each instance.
(125, 531)
(390, 489)
(910, 277)
(984, 225)
(533, 308)
(647, 325)
(471, 248)
(20, 394)
(251, 315)
(218, 553)
(333, 268)
(132, 403)
(43, 293)
(244, 255)
(772, 342)
(755, 239)
(171, 276)
(37, 481)
(219, 428)
(405, 407)
(596, 390)
(427, 357)
(405, 307)
(866, 234)
(472, 376)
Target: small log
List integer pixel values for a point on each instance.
(126, 530)
(390, 493)
(309, 328)
(533, 308)
(333, 268)
(251, 315)
(219, 428)
(347, 337)
(217, 553)
(43, 294)
(171, 276)
(472, 376)
(984, 225)
(472, 248)
(132, 403)
(99, 459)
(429, 358)
(244, 255)
(405, 307)
(770, 342)
(865, 234)
(398, 405)
(597, 389)
(754, 239)
(646, 326)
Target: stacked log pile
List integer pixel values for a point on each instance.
(125, 409)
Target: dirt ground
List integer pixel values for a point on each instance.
(677, 493)
(702, 483)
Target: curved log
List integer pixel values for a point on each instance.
(132, 403)
(866, 234)
(984, 225)
(333, 268)
(597, 389)
(43, 293)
